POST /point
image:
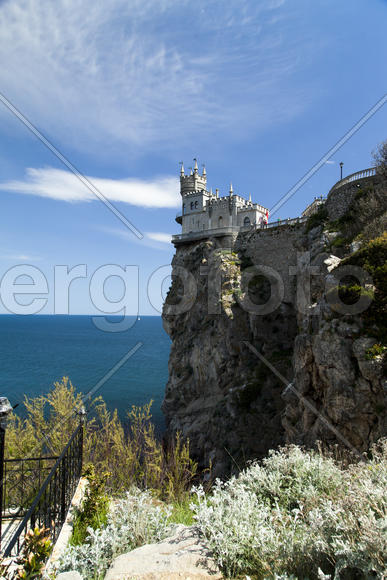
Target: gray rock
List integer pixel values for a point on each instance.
(182, 556)
(69, 576)
(229, 403)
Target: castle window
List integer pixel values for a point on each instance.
(220, 222)
(183, 208)
(196, 204)
(192, 204)
(246, 221)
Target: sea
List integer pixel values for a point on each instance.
(37, 350)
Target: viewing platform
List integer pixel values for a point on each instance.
(233, 230)
(370, 172)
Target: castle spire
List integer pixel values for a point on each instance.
(217, 192)
(181, 169)
(250, 197)
(204, 170)
(190, 171)
(231, 190)
(196, 168)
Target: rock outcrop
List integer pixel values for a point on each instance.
(251, 314)
(183, 556)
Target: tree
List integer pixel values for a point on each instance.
(380, 158)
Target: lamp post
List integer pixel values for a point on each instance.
(5, 409)
(341, 169)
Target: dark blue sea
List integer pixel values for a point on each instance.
(36, 350)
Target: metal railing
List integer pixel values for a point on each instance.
(286, 222)
(52, 502)
(354, 177)
(22, 479)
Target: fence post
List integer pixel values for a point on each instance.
(5, 409)
(82, 418)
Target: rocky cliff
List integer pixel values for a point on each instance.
(251, 314)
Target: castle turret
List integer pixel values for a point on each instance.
(194, 181)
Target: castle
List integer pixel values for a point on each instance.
(204, 212)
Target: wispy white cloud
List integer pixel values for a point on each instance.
(162, 192)
(159, 237)
(101, 75)
(156, 240)
(20, 257)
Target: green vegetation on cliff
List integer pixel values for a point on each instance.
(131, 454)
(372, 257)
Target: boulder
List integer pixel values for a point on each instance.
(69, 576)
(183, 556)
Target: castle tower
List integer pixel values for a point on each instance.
(194, 181)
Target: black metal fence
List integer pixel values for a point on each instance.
(49, 505)
(22, 479)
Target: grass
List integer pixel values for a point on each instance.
(182, 512)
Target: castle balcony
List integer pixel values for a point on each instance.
(179, 217)
(204, 234)
(354, 177)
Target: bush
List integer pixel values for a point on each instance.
(36, 550)
(132, 521)
(380, 158)
(299, 513)
(373, 258)
(94, 509)
(316, 219)
(375, 351)
(131, 455)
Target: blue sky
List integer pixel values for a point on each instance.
(258, 90)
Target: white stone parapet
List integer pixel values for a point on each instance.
(354, 177)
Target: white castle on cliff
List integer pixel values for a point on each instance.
(203, 210)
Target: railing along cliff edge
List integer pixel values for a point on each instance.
(354, 176)
(52, 502)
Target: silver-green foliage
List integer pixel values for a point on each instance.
(299, 513)
(133, 521)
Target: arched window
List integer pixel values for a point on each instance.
(220, 222)
(246, 222)
(192, 204)
(196, 204)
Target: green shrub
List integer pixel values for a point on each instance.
(132, 455)
(339, 242)
(36, 550)
(134, 520)
(316, 219)
(375, 351)
(94, 509)
(373, 258)
(299, 514)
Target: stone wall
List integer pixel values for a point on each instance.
(340, 200)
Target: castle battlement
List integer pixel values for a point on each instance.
(203, 211)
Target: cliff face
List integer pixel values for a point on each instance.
(274, 291)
